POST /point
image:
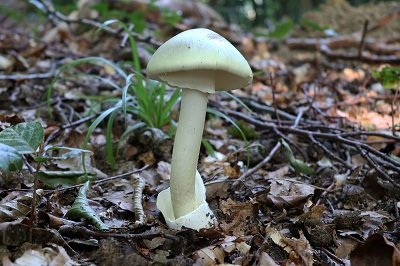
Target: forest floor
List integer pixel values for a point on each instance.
(311, 178)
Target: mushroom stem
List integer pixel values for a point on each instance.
(186, 150)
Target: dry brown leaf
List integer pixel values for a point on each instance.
(368, 118)
(52, 256)
(279, 173)
(350, 74)
(164, 170)
(314, 216)
(210, 256)
(122, 195)
(299, 250)
(147, 158)
(215, 255)
(266, 260)
(284, 193)
(239, 216)
(345, 246)
(376, 250)
(217, 188)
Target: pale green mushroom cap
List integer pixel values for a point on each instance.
(196, 54)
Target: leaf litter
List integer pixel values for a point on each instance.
(302, 206)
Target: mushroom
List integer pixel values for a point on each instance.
(200, 62)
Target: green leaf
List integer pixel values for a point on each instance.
(24, 137)
(301, 167)
(138, 20)
(81, 209)
(71, 153)
(298, 165)
(388, 76)
(312, 25)
(170, 17)
(282, 29)
(209, 148)
(98, 120)
(63, 177)
(109, 143)
(10, 159)
(128, 83)
(247, 129)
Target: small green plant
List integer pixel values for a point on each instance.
(388, 76)
(81, 209)
(282, 29)
(146, 99)
(246, 129)
(27, 139)
(390, 79)
(312, 25)
(298, 165)
(153, 107)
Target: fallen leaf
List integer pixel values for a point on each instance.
(239, 216)
(210, 256)
(266, 260)
(299, 250)
(52, 256)
(284, 193)
(376, 250)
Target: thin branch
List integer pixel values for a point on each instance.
(76, 123)
(104, 180)
(376, 167)
(258, 166)
(82, 231)
(57, 16)
(266, 159)
(18, 76)
(362, 41)
(329, 153)
(392, 163)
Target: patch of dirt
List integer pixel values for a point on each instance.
(344, 18)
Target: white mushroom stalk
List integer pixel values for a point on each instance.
(200, 62)
(186, 150)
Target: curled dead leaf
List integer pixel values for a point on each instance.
(299, 250)
(284, 193)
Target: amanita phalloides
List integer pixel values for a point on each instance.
(200, 62)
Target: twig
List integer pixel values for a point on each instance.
(265, 108)
(392, 163)
(82, 231)
(383, 53)
(104, 180)
(76, 123)
(274, 105)
(364, 33)
(258, 166)
(57, 16)
(18, 76)
(329, 153)
(393, 111)
(266, 159)
(332, 256)
(376, 166)
(35, 187)
(47, 191)
(138, 184)
(289, 141)
(371, 133)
